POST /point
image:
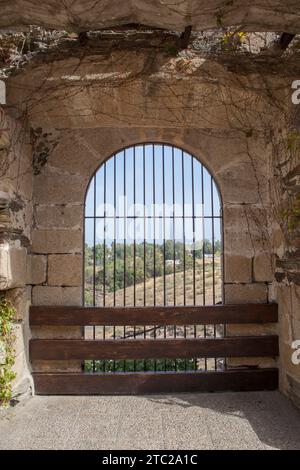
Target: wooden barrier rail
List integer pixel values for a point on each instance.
(71, 349)
(118, 316)
(50, 350)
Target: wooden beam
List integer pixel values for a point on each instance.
(159, 382)
(72, 349)
(118, 316)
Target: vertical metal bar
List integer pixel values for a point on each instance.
(203, 236)
(164, 225)
(134, 245)
(183, 234)
(213, 250)
(223, 268)
(194, 247)
(154, 236)
(115, 242)
(174, 242)
(104, 251)
(203, 248)
(125, 214)
(164, 235)
(183, 231)
(194, 235)
(83, 364)
(104, 238)
(154, 231)
(115, 231)
(94, 244)
(134, 231)
(124, 241)
(144, 201)
(213, 239)
(94, 262)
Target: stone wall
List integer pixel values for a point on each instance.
(86, 15)
(82, 110)
(15, 236)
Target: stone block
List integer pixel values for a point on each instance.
(48, 295)
(59, 189)
(245, 293)
(36, 269)
(263, 268)
(59, 216)
(75, 154)
(238, 268)
(56, 241)
(240, 182)
(245, 229)
(64, 270)
(12, 266)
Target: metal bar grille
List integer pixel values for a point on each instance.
(153, 236)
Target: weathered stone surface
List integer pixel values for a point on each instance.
(242, 183)
(263, 268)
(36, 269)
(59, 189)
(47, 295)
(243, 293)
(87, 15)
(64, 270)
(59, 216)
(150, 91)
(75, 142)
(294, 389)
(246, 229)
(21, 370)
(56, 241)
(238, 269)
(12, 266)
(20, 298)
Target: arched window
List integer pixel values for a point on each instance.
(153, 236)
(153, 230)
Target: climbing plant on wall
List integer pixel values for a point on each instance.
(7, 352)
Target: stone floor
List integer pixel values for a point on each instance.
(257, 420)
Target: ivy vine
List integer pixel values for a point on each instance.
(7, 351)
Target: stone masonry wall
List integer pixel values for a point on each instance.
(59, 192)
(84, 109)
(15, 236)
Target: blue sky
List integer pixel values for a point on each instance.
(184, 164)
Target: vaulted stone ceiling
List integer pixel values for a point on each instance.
(87, 15)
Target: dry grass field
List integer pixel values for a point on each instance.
(151, 287)
(213, 283)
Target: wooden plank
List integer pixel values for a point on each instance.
(118, 316)
(69, 349)
(140, 383)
